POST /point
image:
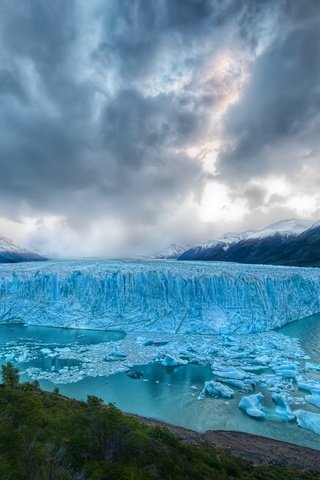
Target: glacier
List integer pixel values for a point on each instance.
(157, 296)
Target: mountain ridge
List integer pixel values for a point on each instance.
(289, 242)
(12, 253)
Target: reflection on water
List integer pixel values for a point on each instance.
(61, 336)
(166, 393)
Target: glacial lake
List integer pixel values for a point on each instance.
(166, 393)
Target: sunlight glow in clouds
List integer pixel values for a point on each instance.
(216, 204)
(305, 205)
(128, 125)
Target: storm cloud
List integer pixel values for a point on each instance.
(117, 118)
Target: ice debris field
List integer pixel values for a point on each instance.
(243, 366)
(169, 312)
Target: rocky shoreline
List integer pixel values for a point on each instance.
(254, 448)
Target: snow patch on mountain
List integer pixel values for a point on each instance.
(286, 228)
(12, 253)
(173, 251)
(6, 245)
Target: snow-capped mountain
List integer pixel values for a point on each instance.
(173, 251)
(284, 227)
(11, 253)
(268, 245)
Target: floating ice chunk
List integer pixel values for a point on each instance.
(282, 409)
(46, 351)
(236, 355)
(117, 353)
(313, 400)
(247, 384)
(230, 372)
(262, 359)
(312, 366)
(254, 368)
(217, 389)
(297, 400)
(310, 385)
(251, 404)
(308, 420)
(171, 361)
(289, 371)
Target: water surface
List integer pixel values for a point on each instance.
(165, 393)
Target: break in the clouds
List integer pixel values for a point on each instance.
(128, 124)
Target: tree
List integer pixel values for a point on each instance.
(94, 401)
(10, 375)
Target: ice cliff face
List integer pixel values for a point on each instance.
(158, 296)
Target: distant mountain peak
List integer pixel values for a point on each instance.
(283, 227)
(291, 226)
(174, 250)
(12, 253)
(267, 245)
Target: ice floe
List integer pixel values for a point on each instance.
(216, 389)
(308, 420)
(171, 361)
(310, 385)
(262, 367)
(313, 400)
(289, 370)
(252, 405)
(282, 410)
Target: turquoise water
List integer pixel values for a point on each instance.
(165, 393)
(308, 332)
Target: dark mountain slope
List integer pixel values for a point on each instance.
(11, 253)
(276, 249)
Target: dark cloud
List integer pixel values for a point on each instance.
(136, 33)
(100, 103)
(281, 101)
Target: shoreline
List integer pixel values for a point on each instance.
(253, 448)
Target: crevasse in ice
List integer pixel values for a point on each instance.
(202, 298)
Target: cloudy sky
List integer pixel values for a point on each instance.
(126, 125)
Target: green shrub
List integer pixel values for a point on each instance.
(47, 436)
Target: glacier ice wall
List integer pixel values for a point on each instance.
(202, 298)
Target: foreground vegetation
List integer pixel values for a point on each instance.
(47, 436)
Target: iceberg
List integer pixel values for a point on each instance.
(310, 385)
(313, 367)
(252, 405)
(230, 373)
(289, 370)
(171, 361)
(313, 400)
(216, 389)
(308, 420)
(158, 296)
(247, 385)
(282, 410)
